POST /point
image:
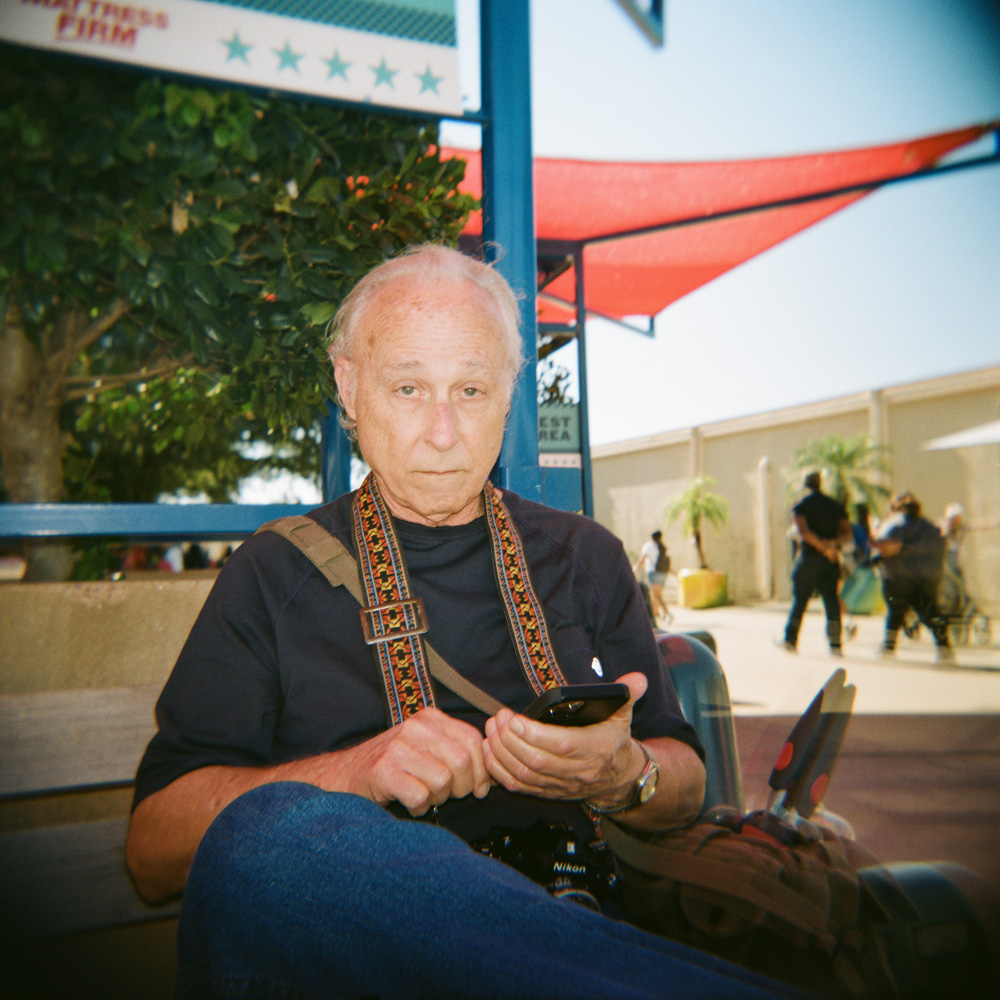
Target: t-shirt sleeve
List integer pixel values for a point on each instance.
(625, 643)
(223, 697)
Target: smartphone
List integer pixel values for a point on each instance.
(578, 704)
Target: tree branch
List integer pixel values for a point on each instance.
(71, 345)
(118, 309)
(89, 385)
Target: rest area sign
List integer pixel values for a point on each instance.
(558, 427)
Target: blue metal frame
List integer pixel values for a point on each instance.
(335, 456)
(138, 521)
(509, 216)
(586, 482)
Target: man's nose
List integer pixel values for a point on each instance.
(443, 431)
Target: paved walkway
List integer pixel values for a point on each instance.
(765, 680)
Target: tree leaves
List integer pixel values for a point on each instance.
(232, 222)
(698, 504)
(851, 467)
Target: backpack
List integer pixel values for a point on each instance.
(663, 562)
(785, 902)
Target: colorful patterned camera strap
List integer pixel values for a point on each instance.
(393, 620)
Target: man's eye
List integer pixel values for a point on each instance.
(407, 390)
(471, 390)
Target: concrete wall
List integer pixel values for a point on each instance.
(59, 636)
(750, 457)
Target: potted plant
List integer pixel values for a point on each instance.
(698, 505)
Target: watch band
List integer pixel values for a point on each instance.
(649, 768)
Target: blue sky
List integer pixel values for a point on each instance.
(903, 285)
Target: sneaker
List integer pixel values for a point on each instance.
(886, 652)
(944, 656)
(850, 630)
(788, 647)
(836, 651)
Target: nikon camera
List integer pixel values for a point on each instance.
(555, 857)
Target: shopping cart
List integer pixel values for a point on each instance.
(966, 622)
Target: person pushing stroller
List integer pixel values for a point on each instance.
(911, 551)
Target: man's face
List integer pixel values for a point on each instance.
(428, 386)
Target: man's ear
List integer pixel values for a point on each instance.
(346, 375)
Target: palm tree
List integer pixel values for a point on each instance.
(697, 504)
(850, 467)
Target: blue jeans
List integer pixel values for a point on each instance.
(300, 893)
(904, 592)
(813, 574)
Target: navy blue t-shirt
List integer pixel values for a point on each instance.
(276, 669)
(823, 515)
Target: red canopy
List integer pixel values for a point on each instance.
(642, 273)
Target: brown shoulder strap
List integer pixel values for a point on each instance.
(332, 558)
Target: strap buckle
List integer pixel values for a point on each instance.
(371, 620)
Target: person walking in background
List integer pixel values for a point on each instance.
(822, 526)
(655, 561)
(861, 532)
(860, 561)
(912, 552)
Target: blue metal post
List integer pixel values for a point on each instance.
(335, 457)
(586, 484)
(509, 214)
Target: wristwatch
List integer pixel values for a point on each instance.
(642, 791)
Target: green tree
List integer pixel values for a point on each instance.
(174, 435)
(698, 505)
(149, 229)
(851, 468)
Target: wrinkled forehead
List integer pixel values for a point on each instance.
(406, 302)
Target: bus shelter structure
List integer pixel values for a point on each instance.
(613, 240)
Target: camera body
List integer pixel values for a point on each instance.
(554, 856)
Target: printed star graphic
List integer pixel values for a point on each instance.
(337, 66)
(383, 74)
(428, 81)
(237, 49)
(287, 59)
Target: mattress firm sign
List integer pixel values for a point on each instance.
(558, 427)
(401, 54)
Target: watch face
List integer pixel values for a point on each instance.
(647, 783)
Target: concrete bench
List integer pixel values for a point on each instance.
(81, 666)
(71, 877)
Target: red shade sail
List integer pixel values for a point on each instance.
(613, 209)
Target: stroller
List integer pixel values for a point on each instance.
(965, 620)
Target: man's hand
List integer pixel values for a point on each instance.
(421, 763)
(566, 762)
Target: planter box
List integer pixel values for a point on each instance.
(702, 588)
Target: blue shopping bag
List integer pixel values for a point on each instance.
(862, 592)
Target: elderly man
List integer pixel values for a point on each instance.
(293, 756)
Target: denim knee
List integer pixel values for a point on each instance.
(275, 828)
(263, 886)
